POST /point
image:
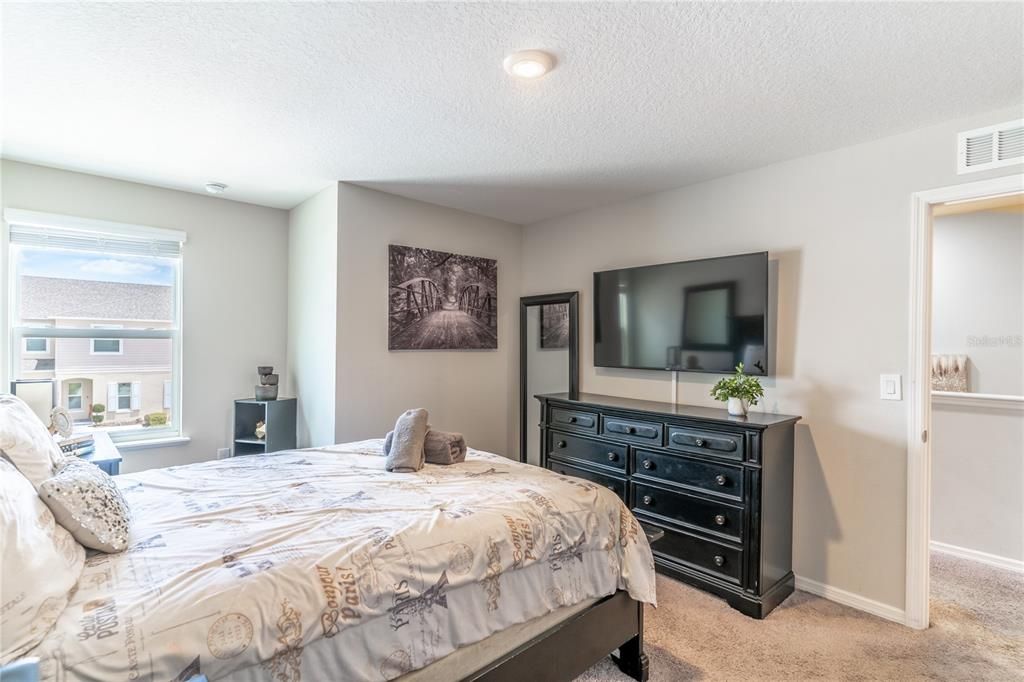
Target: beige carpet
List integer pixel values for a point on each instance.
(976, 633)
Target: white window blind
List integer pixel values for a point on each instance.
(29, 228)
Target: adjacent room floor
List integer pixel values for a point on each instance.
(977, 633)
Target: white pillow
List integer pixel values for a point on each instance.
(39, 565)
(26, 442)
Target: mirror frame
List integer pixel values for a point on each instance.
(572, 298)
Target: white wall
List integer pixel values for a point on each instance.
(978, 296)
(978, 478)
(475, 392)
(837, 228)
(233, 277)
(313, 314)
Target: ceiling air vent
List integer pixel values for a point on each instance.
(992, 147)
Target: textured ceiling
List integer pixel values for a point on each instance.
(280, 99)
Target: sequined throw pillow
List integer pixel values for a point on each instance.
(86, 501)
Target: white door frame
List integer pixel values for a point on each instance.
(919, 462)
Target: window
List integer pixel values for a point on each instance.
(106, 346)
(75, 395)
(34, 344)
(124, 396)
(102, 302)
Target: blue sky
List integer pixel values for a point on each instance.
(102, 267)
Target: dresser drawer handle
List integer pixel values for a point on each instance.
(562, 443)
(572, 420)
(720, 520)
(720, 479)
(612, 457)
(630, 429)
(648, 464)
(700, 442)
(719, 560)
(648, 500)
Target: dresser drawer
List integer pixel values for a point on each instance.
(712, 443)
(634, 430)
(720, 479)
(605, 454)
(574, 419)
(616, 485)
(698, 512)
(680, 547)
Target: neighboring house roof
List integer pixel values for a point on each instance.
(53, 297)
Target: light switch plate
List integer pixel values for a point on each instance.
(891, 387)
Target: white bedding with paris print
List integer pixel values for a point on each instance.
(235, 566)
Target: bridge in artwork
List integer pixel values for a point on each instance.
(448, 302)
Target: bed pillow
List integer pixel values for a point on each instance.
(25, 441)
(39, 565)
(86, 501)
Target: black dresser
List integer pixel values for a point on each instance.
(720, 487)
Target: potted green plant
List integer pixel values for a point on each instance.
(739, 390)
(97, 413)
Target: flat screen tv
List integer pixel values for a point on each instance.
(695, 316)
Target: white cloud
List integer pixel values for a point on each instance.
(112, 266)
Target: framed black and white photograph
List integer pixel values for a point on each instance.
(441, 301)
(554, 326)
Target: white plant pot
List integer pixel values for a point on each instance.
(737, 407)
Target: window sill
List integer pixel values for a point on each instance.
(171, 441)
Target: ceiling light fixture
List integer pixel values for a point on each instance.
(216, 187)
(529, 64)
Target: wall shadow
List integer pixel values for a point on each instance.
(784, 269)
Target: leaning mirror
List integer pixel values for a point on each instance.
(548, 360)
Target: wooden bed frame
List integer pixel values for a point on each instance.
(574, 645)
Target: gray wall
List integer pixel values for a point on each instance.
(978, 450)
(233, 319)
(837, 227)
(978, 292)
(475, 392)
(978, 478)
(313, 315)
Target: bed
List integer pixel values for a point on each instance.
(319, 565)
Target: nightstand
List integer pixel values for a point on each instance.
(105, 455)
(279, 416)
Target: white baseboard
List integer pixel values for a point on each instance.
(855, 601)
(1005, 563)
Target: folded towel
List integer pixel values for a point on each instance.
(439, 447)
(444, 447)
(406, 452)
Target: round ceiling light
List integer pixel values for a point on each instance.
(216, 187)
(529, 64)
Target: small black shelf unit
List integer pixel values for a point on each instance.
(278, 415)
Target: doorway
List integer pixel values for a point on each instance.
(947, 357)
